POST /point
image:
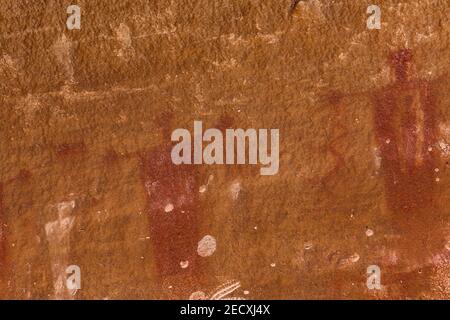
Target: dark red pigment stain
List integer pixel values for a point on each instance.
(111, 157)
(339, 132)
(22, 177)
(406, 131)
(2, 235)
(224, 122)
(2, 247)
(174, 234)
(70, 149)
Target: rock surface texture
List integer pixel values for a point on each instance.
(86, 177)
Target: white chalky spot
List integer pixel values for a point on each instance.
(184, 264)
(62, 50)
(246, 292)
(388, 141)
(65, 207)
(273, 265)
(445, 148)
(377, 158)
(223, 291)
(168, 208)
(58, 237)
(447, 246)
(354, 258)
(308, 245)
(124, 37)
(369, 232)
(207, 246)
(202, 189)
(235, 189)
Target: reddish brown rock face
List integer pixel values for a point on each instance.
(2, 236)
(86, 176)
(173, 212)
(66, 150)
(406, 128)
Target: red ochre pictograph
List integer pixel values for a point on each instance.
(406, 132)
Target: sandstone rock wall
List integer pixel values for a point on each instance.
(85, 171)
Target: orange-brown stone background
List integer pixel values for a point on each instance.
(86, 117)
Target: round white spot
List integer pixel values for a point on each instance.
(437, 179)
(168, 208)
(369, 232)
(436, 170)
(202, 189)
(246, 292)
(184, 264)
(207, 246)
(388, 141)
(273, 265)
